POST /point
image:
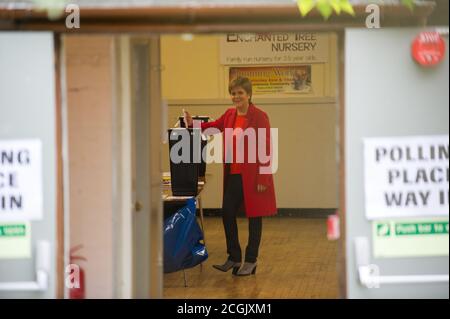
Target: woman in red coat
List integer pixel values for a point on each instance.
(247, 182)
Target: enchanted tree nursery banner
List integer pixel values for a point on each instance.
(274, 48)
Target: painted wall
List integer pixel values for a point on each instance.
(193, 78)
(89, 62)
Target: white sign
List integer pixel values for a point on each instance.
(20, 180)
(273, 48)
(406, 176)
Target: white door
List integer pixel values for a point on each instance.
(147, 219)
(388, 95)
(28, 245)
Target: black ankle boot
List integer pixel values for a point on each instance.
(228, 265)
(247, 269)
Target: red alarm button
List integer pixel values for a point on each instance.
(428, 48)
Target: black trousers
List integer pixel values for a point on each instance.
(232, 200)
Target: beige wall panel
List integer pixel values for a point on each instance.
(90, 91)
(307, 172)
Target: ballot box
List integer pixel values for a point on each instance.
(185, 160)
(203, 118)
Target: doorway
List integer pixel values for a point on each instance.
(145, 84)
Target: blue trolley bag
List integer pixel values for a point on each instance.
(182, 240)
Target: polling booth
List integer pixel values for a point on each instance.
(199, 119)
(184, 245)
(185, 153)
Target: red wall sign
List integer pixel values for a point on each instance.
(428, 48)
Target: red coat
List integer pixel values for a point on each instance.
(255, 203)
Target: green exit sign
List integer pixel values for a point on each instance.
(18, 230)
(15, 240)
(428, 228)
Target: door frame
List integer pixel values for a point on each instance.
(195, 20)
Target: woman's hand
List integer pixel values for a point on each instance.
(187, 118)
(261, 188)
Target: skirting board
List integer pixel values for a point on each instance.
(283, 212)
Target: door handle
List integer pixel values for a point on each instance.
(138, 206)
(369, 274)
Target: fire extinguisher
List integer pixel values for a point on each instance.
(80, 292)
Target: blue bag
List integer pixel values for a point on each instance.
(182, 236)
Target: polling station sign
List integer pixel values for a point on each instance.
(20, 180)
(406, 176)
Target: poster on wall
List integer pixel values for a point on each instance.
(410, 238)
(292, 79)
(274, 48)
(20, 180)
(406, 176)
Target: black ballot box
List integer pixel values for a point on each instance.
(185, 160)
(203, 118)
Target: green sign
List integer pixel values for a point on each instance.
(18, 230)
(403, 229)
(411, 238)
(15, 240)
(383, 230)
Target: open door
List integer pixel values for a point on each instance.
(146, 138)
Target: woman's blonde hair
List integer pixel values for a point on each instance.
(242, 82)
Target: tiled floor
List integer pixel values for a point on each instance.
(296, 261)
